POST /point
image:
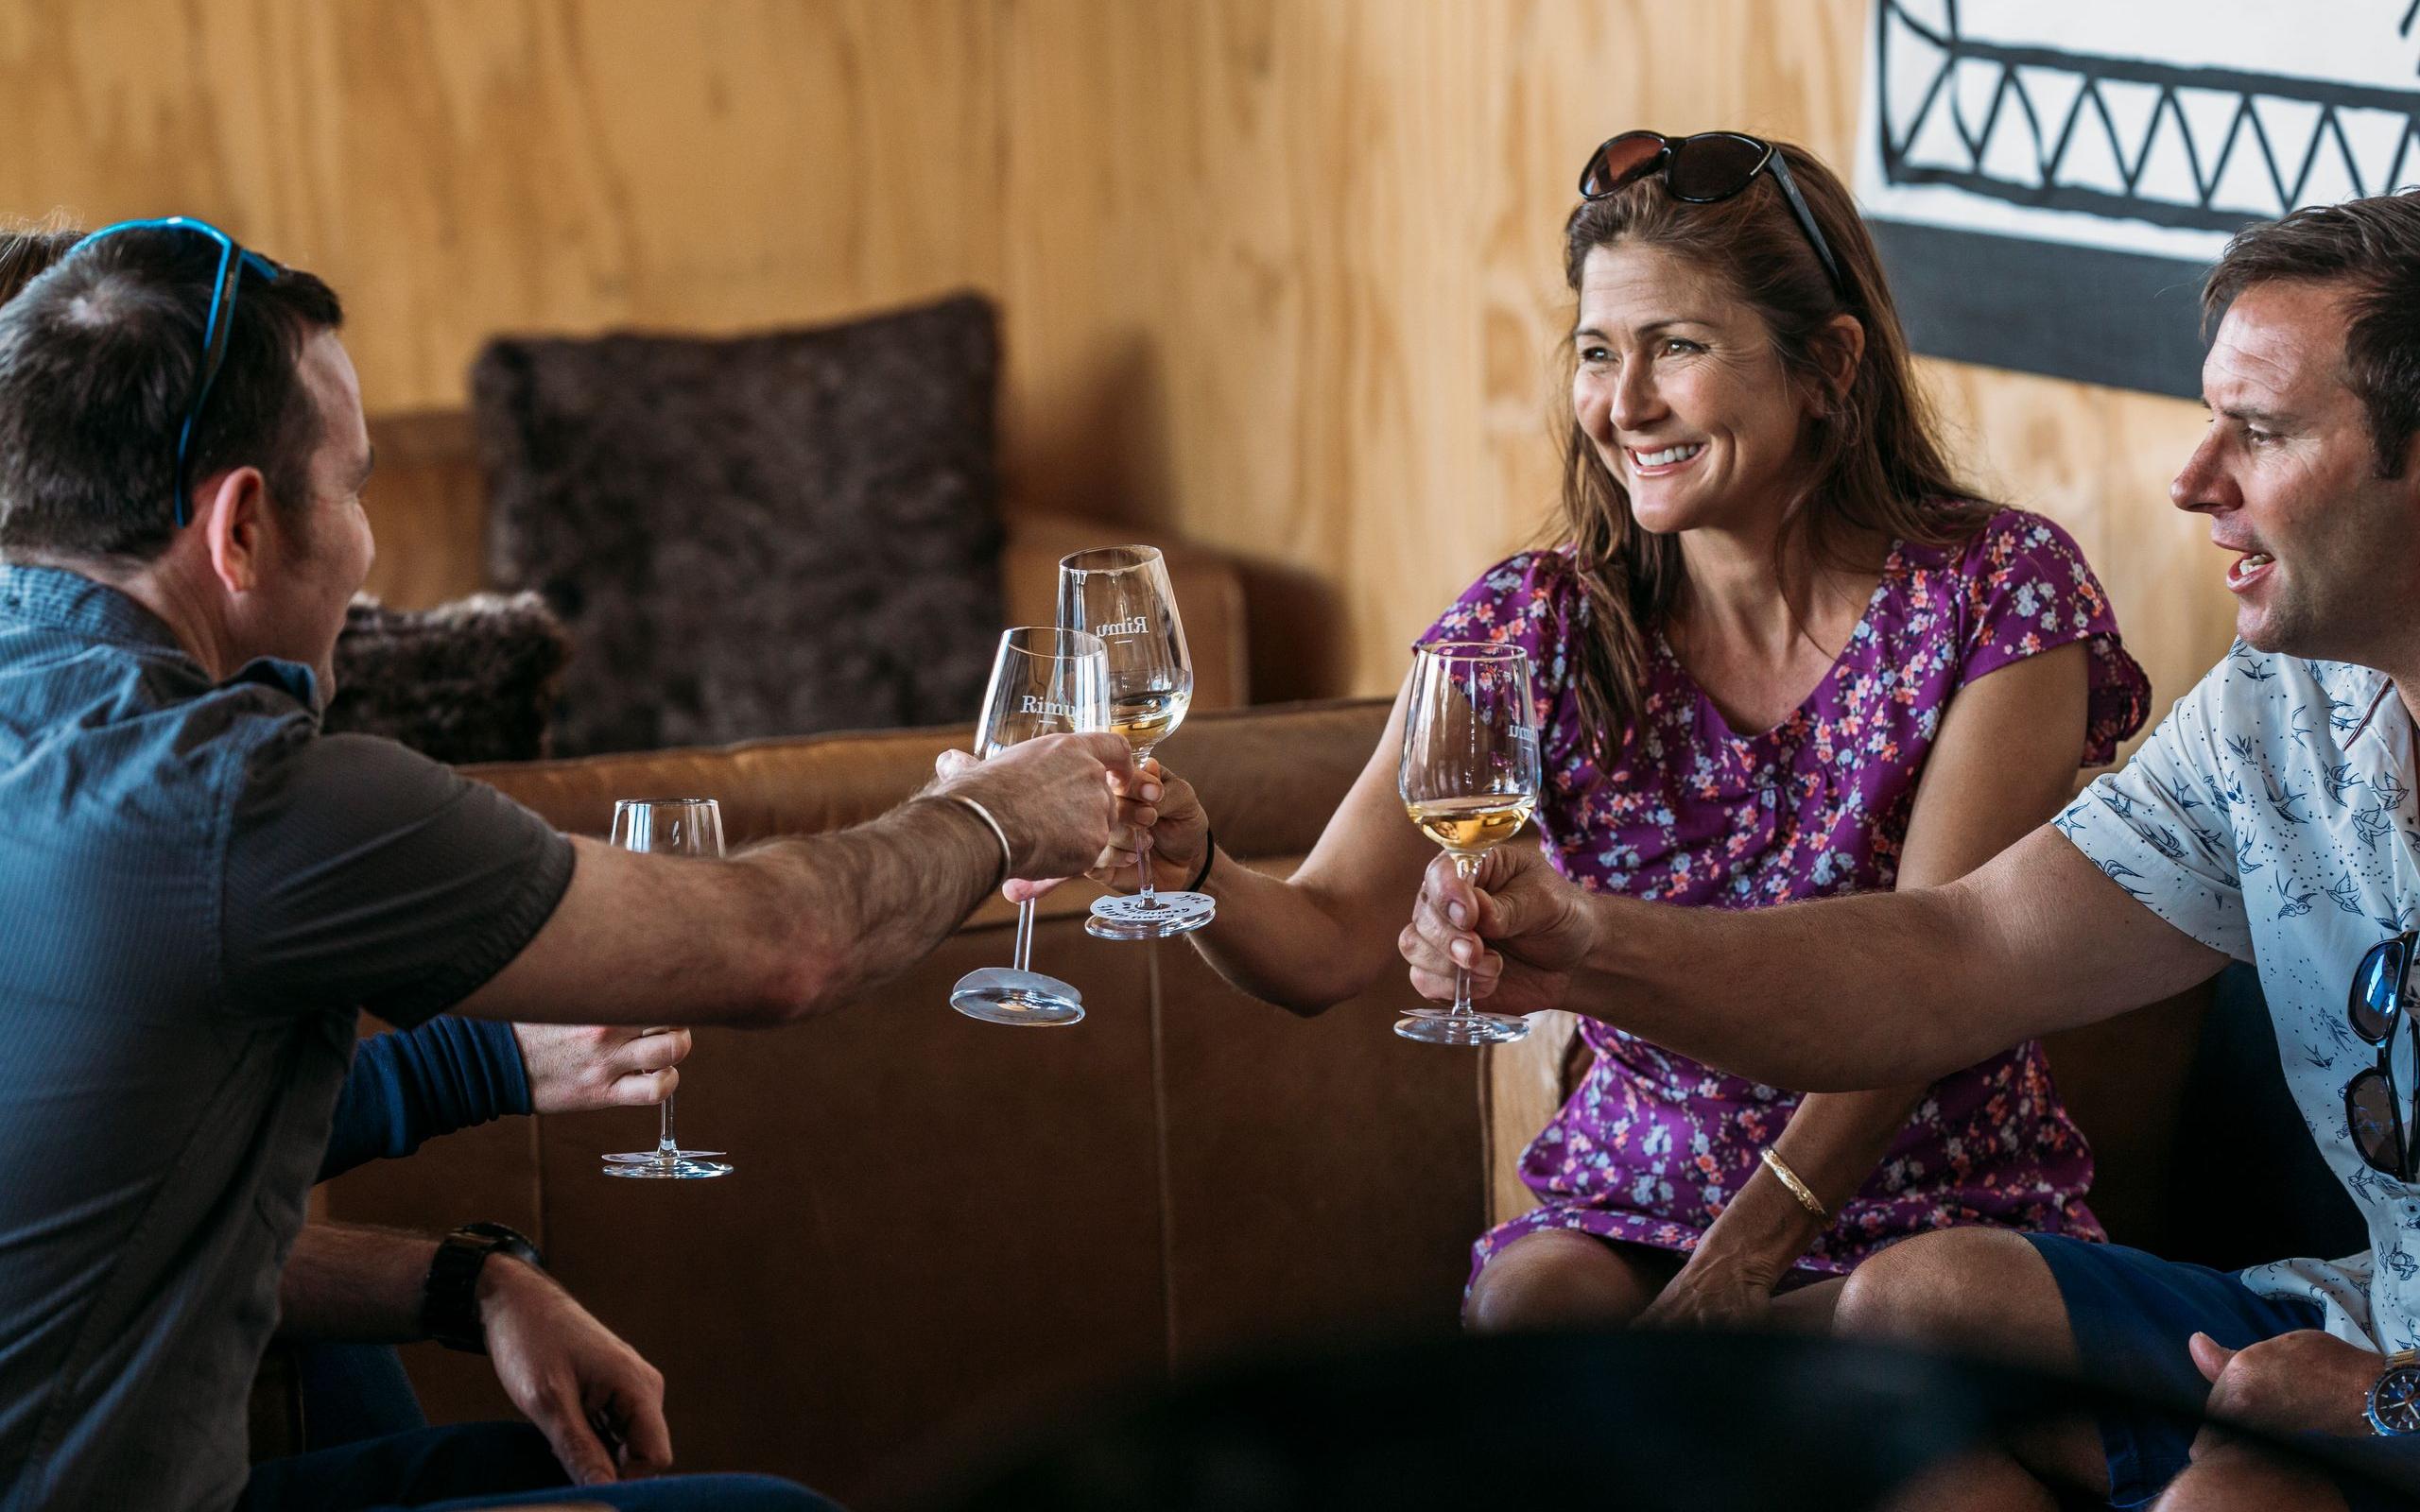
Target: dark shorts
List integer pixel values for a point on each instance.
(2132, 1314)
(463, 1465)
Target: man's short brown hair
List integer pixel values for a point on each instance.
(2371, 247)
(99, 358)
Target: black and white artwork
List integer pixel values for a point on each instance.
(2049, 180)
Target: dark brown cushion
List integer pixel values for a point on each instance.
(770, 535)
(473, 680)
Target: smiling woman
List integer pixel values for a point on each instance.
(1754, 505)
(1720, 327)
(1779, 652)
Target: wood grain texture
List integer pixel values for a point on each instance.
(461, 167)
(1284, 276)
(1278, 275)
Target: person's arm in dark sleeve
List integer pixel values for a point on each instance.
(411, 1086)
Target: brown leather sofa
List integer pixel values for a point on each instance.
(941, 1228)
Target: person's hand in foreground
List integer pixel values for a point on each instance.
(1174, 828)
(1135, 789)
(599, 1405)
(1536, 920)
(573, 1067)
(2302, 1382)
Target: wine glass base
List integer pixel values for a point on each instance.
(1002, 994)
(1463, 1029)
(665, 1165)
(1157, 917)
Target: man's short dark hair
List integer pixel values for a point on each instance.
(98, 361)
(2373, 247)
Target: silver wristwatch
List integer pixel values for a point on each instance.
(2393, 1408)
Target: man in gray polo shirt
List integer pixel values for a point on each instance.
(199, 892)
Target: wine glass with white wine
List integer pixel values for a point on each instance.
(1045, 682)
(1469, 779)
(681, 827)
(1121, 593)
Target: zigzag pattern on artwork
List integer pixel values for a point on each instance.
(2248, 145)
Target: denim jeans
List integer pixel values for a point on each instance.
(482, 1465)
(352, 1392)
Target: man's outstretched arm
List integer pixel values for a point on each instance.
(1829, 996)
(793, 927)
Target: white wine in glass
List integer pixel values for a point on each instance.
(1144, 719)
(1121, 593)
(1045, 682)
(1469, 779)
(669, 826)
(1472, 826)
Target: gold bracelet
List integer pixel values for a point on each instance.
(1789, 1177)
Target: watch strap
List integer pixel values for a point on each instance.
(449, 1307)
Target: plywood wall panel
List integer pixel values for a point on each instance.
(1286, 278)
(1281, 275)
(458, 168)
(2099, 461)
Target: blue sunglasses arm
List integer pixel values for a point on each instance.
(223, 317)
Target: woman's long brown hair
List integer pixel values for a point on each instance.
(1875, 462)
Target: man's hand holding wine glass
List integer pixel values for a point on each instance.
(1518, 926)
(1131, 792)
(1055, 798)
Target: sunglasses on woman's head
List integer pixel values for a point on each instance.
(2373, 1101)
(1700, 170)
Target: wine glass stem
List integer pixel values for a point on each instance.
(1024, 935)
(1143, 840)
(1466, 868)
(666, 1145)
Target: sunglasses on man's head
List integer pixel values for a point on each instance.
(2373, 1100)
(233, 262)
(1702, 170)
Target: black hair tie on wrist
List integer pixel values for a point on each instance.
(1209, 853)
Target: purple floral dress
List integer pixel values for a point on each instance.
(1653, 1145)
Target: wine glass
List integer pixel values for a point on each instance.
(1469, 779)
(1121, 595)
(682, 827)
(1045, 682)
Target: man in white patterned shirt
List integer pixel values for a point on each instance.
(2268, 819)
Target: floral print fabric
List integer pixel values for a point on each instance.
(1653, 1145)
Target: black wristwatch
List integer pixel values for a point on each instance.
(449, 1298)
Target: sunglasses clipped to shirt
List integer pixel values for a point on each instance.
(233, 261)
(1702, 170)
(2375, 1099)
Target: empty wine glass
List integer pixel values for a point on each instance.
(683, 827)
(1045, 682)
(1121, 593)
(1469, 779)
